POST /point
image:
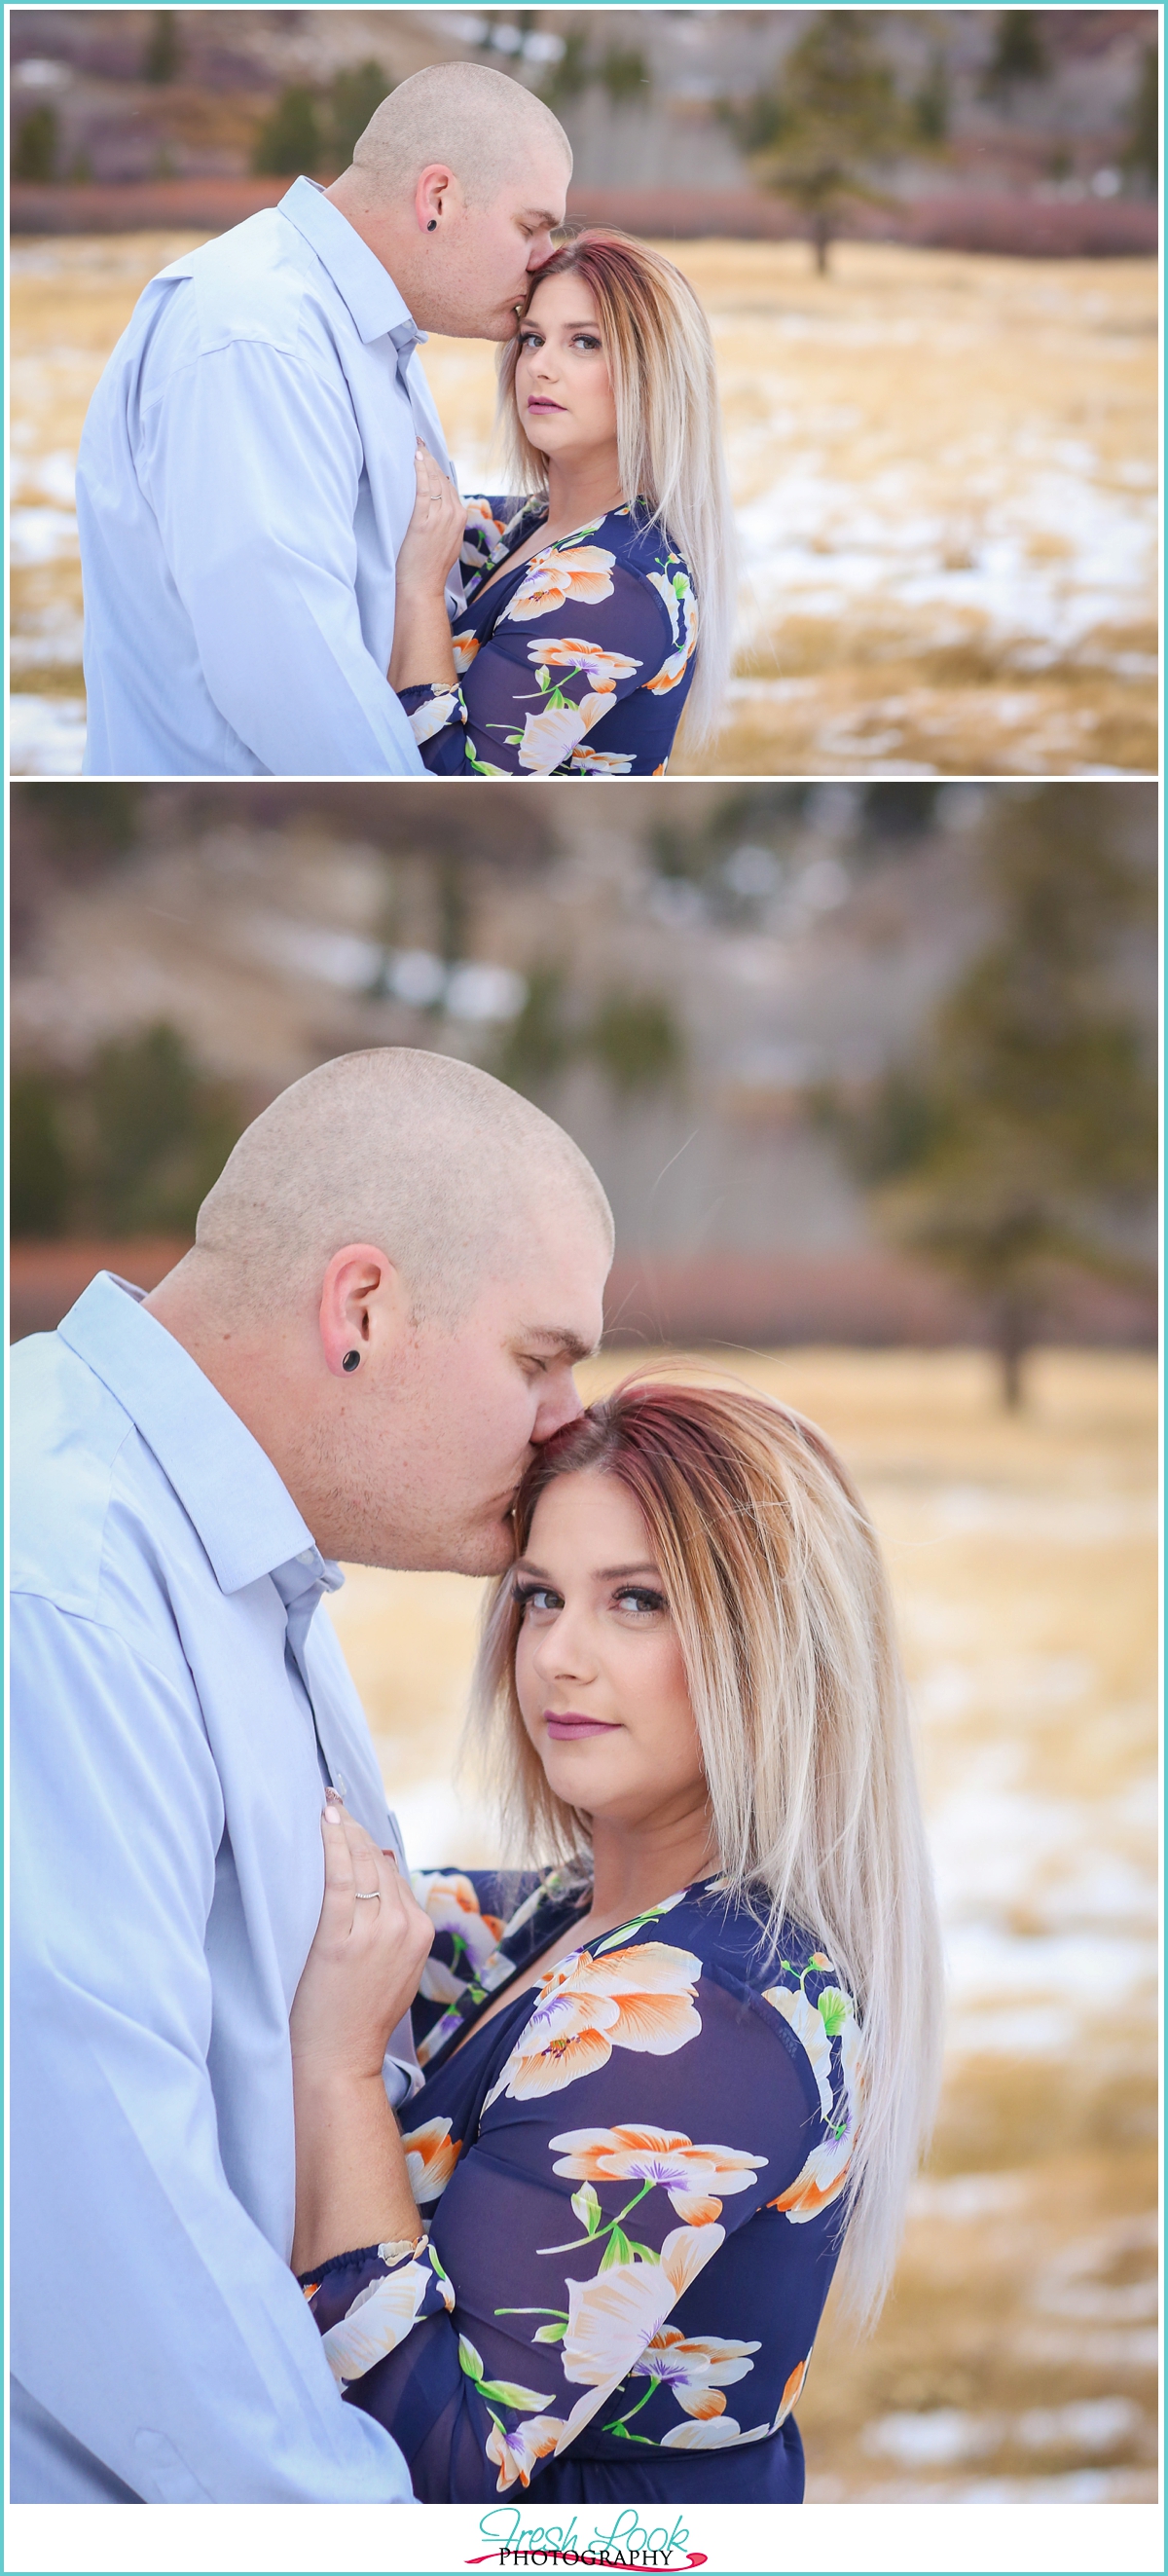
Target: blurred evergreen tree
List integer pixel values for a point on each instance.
(538, 1046)
(1019, 52)
(163, 55)
(159, 1133)
(932, 104)
(354, 98)
(1142, 150)
(289, 140)
(624, 73)
(567, 79)
(1021, 1143)
(832, 114)
(40, 1174)
(636, 1041)
(34, 152)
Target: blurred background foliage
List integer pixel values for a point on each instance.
(1022, 1136)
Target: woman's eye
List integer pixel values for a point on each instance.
(536, 1596)
(641, 1604)
(582, 341)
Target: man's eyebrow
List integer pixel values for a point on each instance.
(540, 215)
(554, 1338)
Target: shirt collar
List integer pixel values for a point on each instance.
(227, 1485)
(365, 286)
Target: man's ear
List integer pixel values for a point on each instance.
(362, 1307)
(432, 195)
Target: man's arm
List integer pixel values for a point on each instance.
(149, 2314)
(252, 464)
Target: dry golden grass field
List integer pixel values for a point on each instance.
(1017, 2356)
(944, 468)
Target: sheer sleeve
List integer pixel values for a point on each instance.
(583, 2238)
(581, 633)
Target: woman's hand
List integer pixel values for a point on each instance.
(430, 546)
(367, 1955)
(371, 1943)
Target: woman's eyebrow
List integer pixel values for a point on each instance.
(602, 1574)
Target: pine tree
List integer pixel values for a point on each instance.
(289, 140)
(1021, 1144)
(834, 114)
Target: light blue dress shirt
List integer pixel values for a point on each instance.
(166, 1879)
(244, 482)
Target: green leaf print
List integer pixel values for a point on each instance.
(587, 2208)
(617, 2250)
(507, 2392)
(834, 2009)
(472, 2361)
(553, 2333)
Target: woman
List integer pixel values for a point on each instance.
(664, 2077)
(579, 645)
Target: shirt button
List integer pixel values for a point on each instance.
(307, 1556)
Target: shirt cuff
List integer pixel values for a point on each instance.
(431, 708)
(365, 2306)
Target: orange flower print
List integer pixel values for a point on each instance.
(792, 2392)
(697, 2367)
(465, 648)
(691, 2175)
(683, 618)
(719, 2435)
(564, 572)
(612, 2318)
(832, 2016)
(433, 714)
(480, 522)
(431, 2156)
(575, 653)
(604, 764)
(379, 2319)
(515, 2454)
(548, 738)
(641, 1998)
(452, 1905)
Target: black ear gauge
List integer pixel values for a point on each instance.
(432, 226)
(351, 1360)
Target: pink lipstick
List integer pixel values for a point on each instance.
(564, 1725)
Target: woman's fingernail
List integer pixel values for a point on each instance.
(332, 1812)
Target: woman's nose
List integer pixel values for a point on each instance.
(561, 1653)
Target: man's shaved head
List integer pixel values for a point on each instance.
(483, 125)
(443, 1167)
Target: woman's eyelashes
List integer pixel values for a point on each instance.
(632, 1600)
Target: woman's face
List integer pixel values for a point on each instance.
(562, 389)
(598, 1667)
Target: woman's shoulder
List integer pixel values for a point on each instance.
(789, 1975)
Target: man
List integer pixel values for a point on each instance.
(390, 1283)
(246, 471)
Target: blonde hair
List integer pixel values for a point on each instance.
(781, 1603)
(669, 431)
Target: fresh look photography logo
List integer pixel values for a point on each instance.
(628, 2542)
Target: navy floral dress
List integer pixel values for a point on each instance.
(575, 664)
(611, 2305)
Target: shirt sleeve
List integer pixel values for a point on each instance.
(558, 660)
(150, 2317)
(252, 463)
(576, 2228)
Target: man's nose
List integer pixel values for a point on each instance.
(561, 1404)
